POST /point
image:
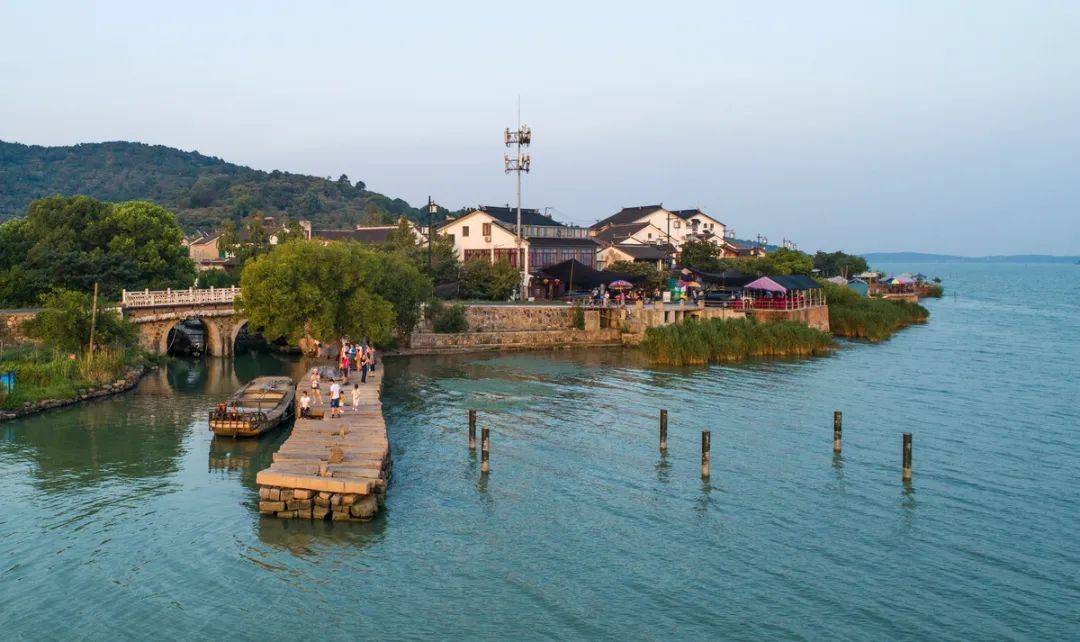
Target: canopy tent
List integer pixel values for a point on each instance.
(900, 280)
(790, 283)
(577, 275)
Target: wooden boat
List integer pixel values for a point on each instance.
(255, 408)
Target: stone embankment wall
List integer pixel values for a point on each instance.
(515, 327)
(127, 382)
(815, 317)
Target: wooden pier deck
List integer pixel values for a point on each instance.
(331, 468)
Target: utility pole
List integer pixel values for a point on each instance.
(93, 319)
(520, 163)
(431, 208)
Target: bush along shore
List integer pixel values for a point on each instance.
(48, 379)
(694, 342)
(856, 317)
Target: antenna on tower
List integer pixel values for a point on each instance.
(518, 164)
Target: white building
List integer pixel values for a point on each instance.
(675, 226)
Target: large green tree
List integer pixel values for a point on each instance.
(839, 263)
(72, 242)
(308, 288)
(65, 319)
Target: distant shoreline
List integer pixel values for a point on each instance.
(921, 257)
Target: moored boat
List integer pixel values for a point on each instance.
(257, 407)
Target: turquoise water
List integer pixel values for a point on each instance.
(125, 519)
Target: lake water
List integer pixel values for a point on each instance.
(124, 519)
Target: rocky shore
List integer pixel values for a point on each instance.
(123, 384)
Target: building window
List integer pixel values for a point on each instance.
(676, 224)
(486, 229)
(650, 236)
(464, 231)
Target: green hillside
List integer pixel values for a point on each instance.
(202, 190)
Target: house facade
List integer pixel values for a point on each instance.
(675, 226)
(489, 233)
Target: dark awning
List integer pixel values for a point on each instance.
(577, 275)
(727, 278)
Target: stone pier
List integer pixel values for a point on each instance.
(331, 469)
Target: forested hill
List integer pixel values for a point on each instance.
(202, 190)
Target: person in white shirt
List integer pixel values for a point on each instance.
(356, 397)
(305, 405)
(315, 393)
(335, 399)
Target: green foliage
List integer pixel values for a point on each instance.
(839, 263)
(489, 281)
(450, 319)
(252, 238)
(653, 278)
(704, 255)
(440, 265)
(854, 316)
(933, 290)
(305, 288)
(203, 190)
(218, 278)
(64, 323)
(579, 317)
(694, 342)
(72, 242)
(50, 374)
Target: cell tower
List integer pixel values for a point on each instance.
(520, 163)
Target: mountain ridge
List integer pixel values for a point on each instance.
(203, 190)
(923, 257)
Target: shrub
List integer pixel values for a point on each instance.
(579, 317)
(874, 319)
(694, 342)
(491, 281)
(451, 319)
(64, 323)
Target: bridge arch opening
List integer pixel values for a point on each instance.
(190, 337)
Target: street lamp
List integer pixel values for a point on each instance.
(431, 209)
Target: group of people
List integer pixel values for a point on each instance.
(351, 357)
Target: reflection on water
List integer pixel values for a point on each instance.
(126, 514)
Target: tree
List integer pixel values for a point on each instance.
(441, 266)
(839, 263)
(71, 242)
(307, 289)
(492, 281)
(397, 280)
(700, 254)
(64, 323)
(782, 261)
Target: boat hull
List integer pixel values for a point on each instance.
(255, 409)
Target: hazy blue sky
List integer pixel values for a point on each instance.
(932, 126)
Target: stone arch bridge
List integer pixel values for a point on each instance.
(155, 312)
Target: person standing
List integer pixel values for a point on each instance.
(363, 367)
(335, 399)
(356, 397)
(315, 393)
(371, 357)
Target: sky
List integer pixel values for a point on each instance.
(948, 127)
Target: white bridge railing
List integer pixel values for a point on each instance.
(190, 296)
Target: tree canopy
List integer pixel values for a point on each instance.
(704, 255)
(839, 263)
(204, 191)
(64, 323)
(329, 290)
(72, 242)
(481, 279)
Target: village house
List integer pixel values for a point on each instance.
(660, 256)
(206, 252)
(373, 234)
(675, 226)
(489, 233)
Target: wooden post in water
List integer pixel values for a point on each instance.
(907, 457)
(837, 421)
(706, 439)
(663, 431)
(485, 448)
(472, 429)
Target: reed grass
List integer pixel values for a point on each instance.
(694, 342)
(857, 317)
(46, 374)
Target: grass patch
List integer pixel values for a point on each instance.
(694, 342)
(46, 374)
(857, 317)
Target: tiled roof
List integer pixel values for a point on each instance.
(380, 234)
(647, 252)
(628, 215)
(616, 233)
(689, 214)
(509, 215)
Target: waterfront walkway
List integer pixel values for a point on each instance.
(331, 468)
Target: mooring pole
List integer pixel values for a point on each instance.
(663, 431)
(472, 429)
(837, 421)
(485, 449)
(706, 439)
(907, 457)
